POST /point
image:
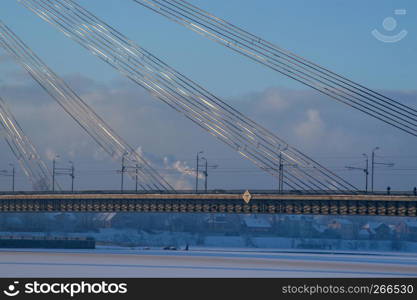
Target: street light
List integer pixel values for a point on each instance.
(136, 178)
(123, 170)
(72, 175)
(13, 175)
(62, 171)
(196, 173)
(281, 166)
(373, 168)
(377, 163)
(53, 172)
(206, 172)
(6, 173)
(365, 170)
(280, 175)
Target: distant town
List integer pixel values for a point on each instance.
(179, 231)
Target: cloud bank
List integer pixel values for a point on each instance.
(327, 131)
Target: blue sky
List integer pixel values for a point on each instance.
(333, 33)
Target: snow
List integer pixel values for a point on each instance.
(363, 233)
(268, 242)
(319, 228)
(342, 221)
(119, 262)
(254, 222)
(411, 223)
(160, 239)
(225, 241)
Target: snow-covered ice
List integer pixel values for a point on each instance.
(203, 262)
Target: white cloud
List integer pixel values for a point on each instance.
(312, 128)
(272, 100)
(50, 154)
(305, 119)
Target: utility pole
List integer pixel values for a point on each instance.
(373, 168)
(53, 172)
(13, 176)
(122, 173)
(136, 178)
(196, 173)
(365, 170)
(280, 175)
(206, 167)
(6, 173)
(72, 175)
(62, 171)
(205, 174)
(377, 163)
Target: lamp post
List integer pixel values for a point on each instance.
(136, 178)
(196, 173)
(206, 172)
(377, 163)
(373, 168)
(62, 171)
(6, 173)
(13, 176)
(366, 170)
(280, 175)
(122, 173)
(53, 172)
(72, 175)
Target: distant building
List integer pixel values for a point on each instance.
(318, 230)
(222, 223)
(411, 227)
(256, 224)
(104, 219)
(342, 228)
(400, 231)
(378, 230)
(364, 234)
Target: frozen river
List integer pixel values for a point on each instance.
(201, 263)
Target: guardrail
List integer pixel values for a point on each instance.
(335, 204)
(215, 191)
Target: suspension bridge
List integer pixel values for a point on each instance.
(312, 188)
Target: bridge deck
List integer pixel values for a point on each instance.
(385, 205)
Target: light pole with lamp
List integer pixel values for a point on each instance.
(53, 172)
(365, 170)
(72, 175)
(206, 172)
(123, 170)
(6, 173)
(377, 163)
(373, 167)
(13, 176)
(196, 173)
(62, 171)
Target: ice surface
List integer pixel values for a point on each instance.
(122, 262)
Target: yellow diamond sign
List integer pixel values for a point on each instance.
(247, 196)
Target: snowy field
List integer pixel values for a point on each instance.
(119, 262)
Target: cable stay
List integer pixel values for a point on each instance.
(135, 165)
(248, 138)
(25, 152)
(339, 88)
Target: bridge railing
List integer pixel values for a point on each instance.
(214, 191)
